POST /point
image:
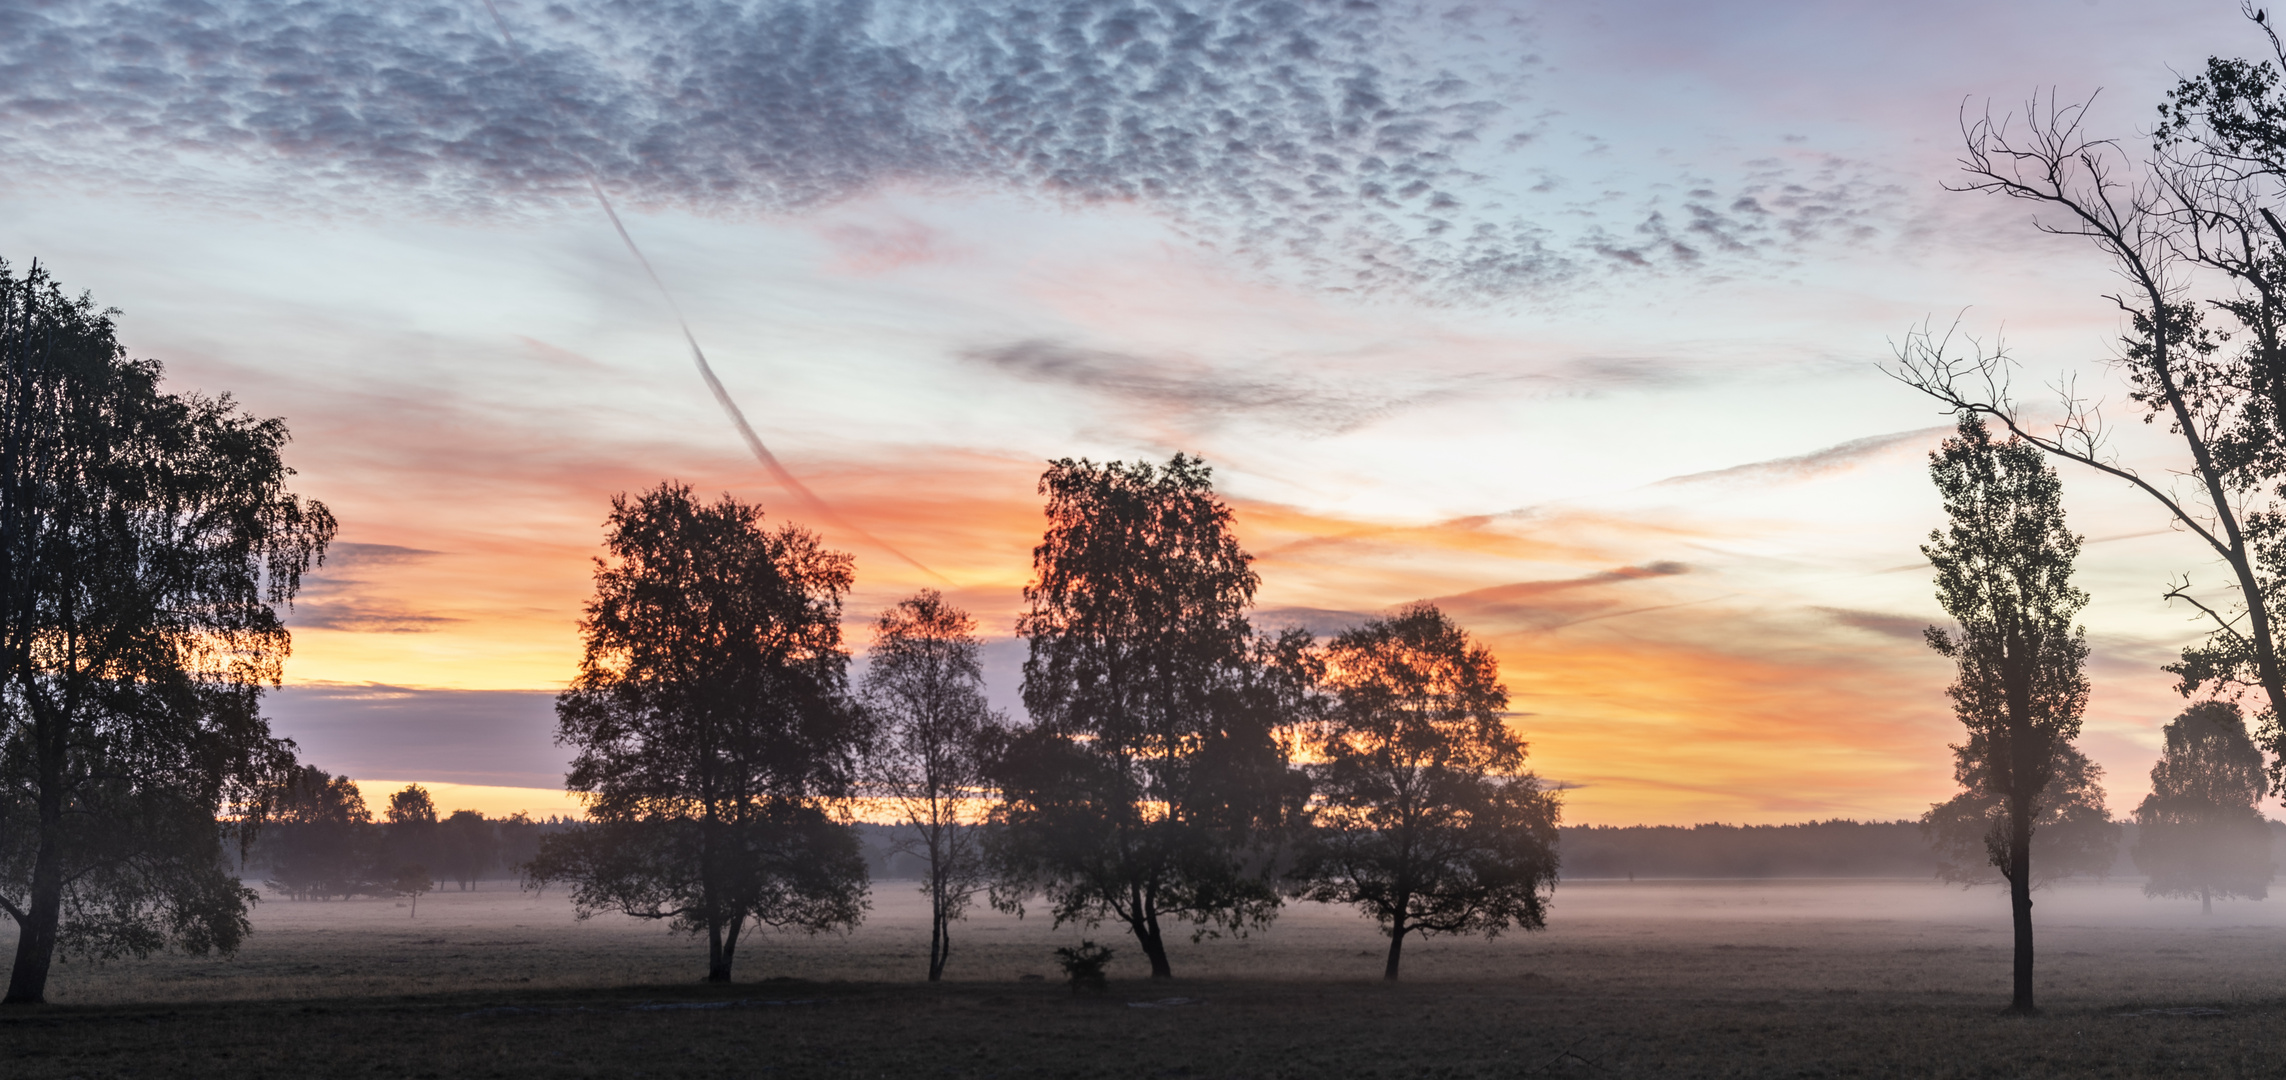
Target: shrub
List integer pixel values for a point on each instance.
(1083, 966)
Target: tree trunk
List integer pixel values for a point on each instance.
(717, 953)
(1153, 944)
(940, 936)
(2020, 904)
(36, 934)
(730, 945)
(1397, 931)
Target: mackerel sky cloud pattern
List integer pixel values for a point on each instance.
(1344, 145)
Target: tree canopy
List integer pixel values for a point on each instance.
(317, 843)
(2199, 831)
(712, 727)
(1152, 760)
(1425, 816)
(2072, 834)
(149, 541)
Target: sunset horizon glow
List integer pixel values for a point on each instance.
(1570, 322)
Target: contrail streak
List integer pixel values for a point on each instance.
(777, 470)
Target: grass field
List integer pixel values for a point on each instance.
(1834, 978)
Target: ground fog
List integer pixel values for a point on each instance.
(2098, 942)
(1826, 978)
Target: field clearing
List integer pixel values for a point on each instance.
(1714, 978)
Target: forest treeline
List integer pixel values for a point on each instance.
(344, 855)
(323, 842)
(1838, 848)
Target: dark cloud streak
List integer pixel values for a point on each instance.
(1190, 388)
(339, 595)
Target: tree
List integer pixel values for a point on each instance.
(1142, 790)
(519, 841)
(1425, 817)
(412, 807)
(412, 836)
(2199, 212)
(2073, 834)
(149, 540)
(712, 728)
(2200, 833)
(925, 691)
(2004, 569)
(411, 881)
(467, 846)
(318, 840)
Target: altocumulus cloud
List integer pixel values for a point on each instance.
(1328, 140)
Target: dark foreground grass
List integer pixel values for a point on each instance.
(1525, 1027)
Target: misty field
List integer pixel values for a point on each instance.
(1823, 978)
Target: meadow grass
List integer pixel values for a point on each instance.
(1836, 978)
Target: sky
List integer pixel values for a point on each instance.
(1569, 318)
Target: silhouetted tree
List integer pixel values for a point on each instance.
(925, 691)
(411, 838)
(712, 727)
(1083, 966)
(2193, 232)
(148, 540)
(519, 839)
(412, 806)
(1425, 816)
(2004, 569)
(2200, 833)
(1154, 757)
(2073, 833)
(467, 846)
(320, 840)
(411, 881)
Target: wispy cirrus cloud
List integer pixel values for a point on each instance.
(1817, 462)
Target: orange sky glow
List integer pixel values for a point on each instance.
(1605, 383)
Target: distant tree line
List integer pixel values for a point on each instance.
(322, 843)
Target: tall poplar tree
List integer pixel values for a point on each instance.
(2004, 568)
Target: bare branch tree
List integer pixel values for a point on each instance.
(2190, 209)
